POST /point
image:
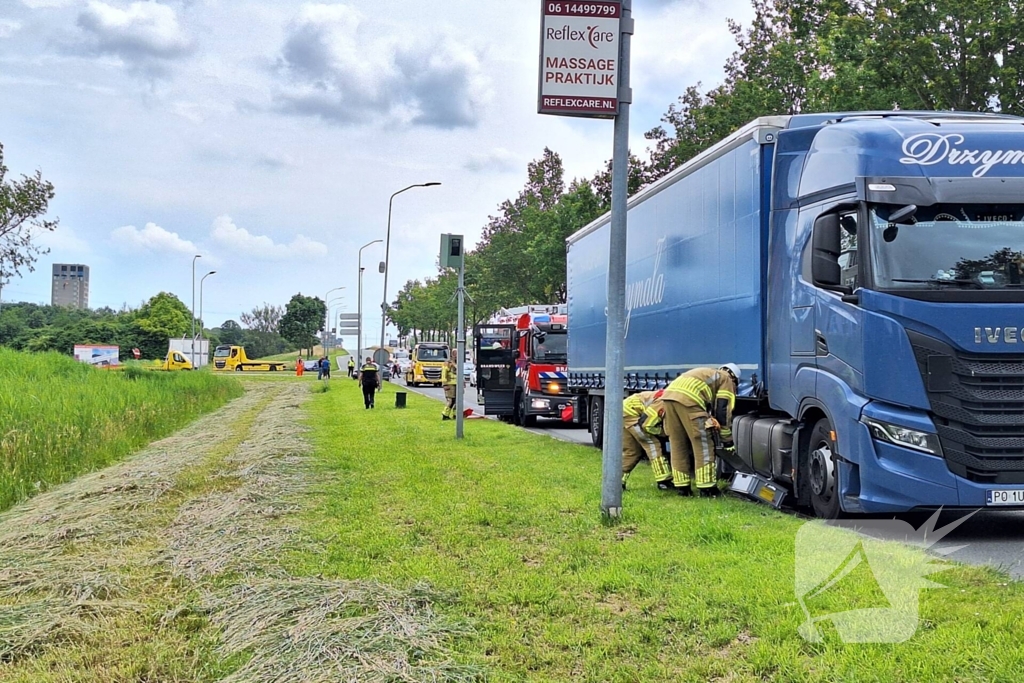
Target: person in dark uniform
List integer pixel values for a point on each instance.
(369, 378)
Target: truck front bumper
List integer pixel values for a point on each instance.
(886, 477)
(550, 405)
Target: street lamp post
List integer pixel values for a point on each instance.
(327, 317)
(330, 305)
(387, 251)
(212, 272)
(192, 344)
(359, 319)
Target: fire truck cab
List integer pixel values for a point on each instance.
(538, 362)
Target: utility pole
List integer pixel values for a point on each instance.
(453, 256)
(359, 320)
(604, 93)
(615, 340)
(192, 343)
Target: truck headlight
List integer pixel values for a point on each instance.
(903, 436)
(540, 403)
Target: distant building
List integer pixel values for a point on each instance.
(70, 285)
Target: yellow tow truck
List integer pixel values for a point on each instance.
(428, 359)
(173, 361)
(233, 358)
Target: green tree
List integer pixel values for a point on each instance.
(302, 320)
(265, 318)
(230, 332)
(22, 205)
(160, 319)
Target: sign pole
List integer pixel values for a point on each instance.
(460, 344)
(615, 340)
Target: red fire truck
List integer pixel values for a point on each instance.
(531, 342)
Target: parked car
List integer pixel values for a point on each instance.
(469, 373)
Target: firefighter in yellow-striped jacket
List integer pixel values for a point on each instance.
(697, 403)
(642, 417)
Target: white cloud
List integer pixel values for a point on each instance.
(146, 35)
(151, 238)
(8, 27)
(63, 240)
(336, 68)
(39, 4)
(240, 241)
(498, 159)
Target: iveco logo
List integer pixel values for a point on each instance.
(994, 335)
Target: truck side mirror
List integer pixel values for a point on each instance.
(827, 245)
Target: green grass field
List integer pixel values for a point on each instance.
(292, 355)
(60, 418)
(681, 590)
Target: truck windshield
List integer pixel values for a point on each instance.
(222, 352)
(554, 348)
(432, 355)
(971, 246)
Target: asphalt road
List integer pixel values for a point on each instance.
(552, 428)
(991, 537)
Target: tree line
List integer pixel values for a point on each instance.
(269, 329)
(796, 56)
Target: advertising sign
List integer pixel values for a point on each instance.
(99, 356)
(579, 58)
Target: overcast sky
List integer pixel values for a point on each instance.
(268, 135)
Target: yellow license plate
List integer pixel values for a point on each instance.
(767, 494)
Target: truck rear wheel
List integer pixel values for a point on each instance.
(597, 421)
(822, 471)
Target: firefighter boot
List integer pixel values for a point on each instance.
(713, 492)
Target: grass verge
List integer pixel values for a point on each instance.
(682, 589)
(60, 418)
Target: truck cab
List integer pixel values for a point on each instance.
(540, 356)
(865, 270)
(233, 359)
(427, 364)
(174, 361)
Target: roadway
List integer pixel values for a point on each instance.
(991, 537)
(552, 428)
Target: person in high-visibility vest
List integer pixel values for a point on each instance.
(642, 421)
(369, 378)
(351, 366)
(697, 404)
(449, 379)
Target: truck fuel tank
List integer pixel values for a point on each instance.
(764, 445)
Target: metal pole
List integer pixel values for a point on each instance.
(327, 320)
(201, 281)
(359, 321)
(192, 342)
(460, 345)
(611, 455)
(387, 266)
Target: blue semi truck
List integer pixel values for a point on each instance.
(866, 272)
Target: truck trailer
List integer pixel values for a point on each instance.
(866, 272)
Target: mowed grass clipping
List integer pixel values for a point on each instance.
(681, 590)
(60, 418)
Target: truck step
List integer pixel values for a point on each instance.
(758, 488)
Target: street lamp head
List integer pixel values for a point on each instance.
(431, 184)
(212, 272)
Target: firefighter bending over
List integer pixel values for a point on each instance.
(642, 416)
(698, 407)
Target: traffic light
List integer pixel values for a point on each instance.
(452, 251)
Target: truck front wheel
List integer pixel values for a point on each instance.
(822, 471)
(597, 421)
(238, 368)
(525, 419)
